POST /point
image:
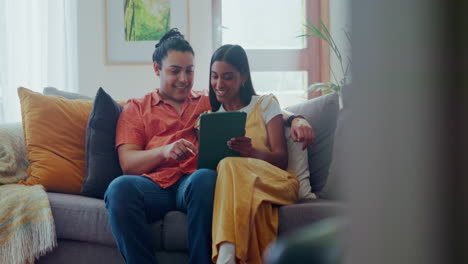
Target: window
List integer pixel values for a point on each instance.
(37, 49)
(281, 63)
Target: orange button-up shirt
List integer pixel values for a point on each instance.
(150, 122)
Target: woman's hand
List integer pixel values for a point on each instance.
(243, 145)
(180, 150)
(301, 131)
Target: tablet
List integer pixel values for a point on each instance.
(216, 129)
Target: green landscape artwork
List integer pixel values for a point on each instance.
(146, 19)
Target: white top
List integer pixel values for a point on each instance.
(272, 110)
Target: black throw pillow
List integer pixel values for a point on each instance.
(102, 161)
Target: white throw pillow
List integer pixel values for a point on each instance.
(13, 161)
(298, 162)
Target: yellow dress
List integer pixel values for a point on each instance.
(247, 190)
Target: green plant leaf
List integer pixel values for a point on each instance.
(322, 32)
(309, 35)
(348, 35)
(332, 41)
(336, 88)
(347, 66)
(316, 31)
(317, 86)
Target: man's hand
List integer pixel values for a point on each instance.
(180, 150)
(301, 131)
(243, 145)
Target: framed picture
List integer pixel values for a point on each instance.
(135, 26)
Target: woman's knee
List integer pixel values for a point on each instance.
(224, 162)
(227, 163)
(225, 168)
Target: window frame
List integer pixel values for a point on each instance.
(311, 59)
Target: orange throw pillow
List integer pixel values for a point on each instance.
(54, 134)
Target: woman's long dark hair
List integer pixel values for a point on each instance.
(172, 40)
(235, 56)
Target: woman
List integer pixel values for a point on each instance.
(245, 219)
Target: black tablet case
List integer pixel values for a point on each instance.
(216, 129)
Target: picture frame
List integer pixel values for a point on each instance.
(139, 51)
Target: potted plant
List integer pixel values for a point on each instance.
(337, 83)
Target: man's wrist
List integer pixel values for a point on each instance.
(291, 118)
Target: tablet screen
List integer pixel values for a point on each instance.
(215, 131)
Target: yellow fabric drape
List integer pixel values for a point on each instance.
(246, 191)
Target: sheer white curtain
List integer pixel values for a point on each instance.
(37, 49)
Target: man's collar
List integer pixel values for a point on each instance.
(156, 97)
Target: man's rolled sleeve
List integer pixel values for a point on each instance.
(130, 127)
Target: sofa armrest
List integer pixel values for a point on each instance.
(296, 216)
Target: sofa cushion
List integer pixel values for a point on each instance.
(54, 133)
(85, 219)
(77, 252)
(333, 189)
(321, 113)
(68, 95)
(295, 216)
(102, 161)
(80, 218)
(175, 231)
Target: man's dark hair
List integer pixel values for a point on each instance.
(235, 56)
(172, 40)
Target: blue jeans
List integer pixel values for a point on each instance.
(134, 202)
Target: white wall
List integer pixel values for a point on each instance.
(134, 80)
(127, 80)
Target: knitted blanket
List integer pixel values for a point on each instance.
(13, 161)
(27, 228)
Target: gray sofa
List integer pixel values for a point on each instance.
(84, 235)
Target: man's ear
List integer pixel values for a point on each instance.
(156, 68)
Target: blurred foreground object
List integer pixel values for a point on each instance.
(319, 243)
